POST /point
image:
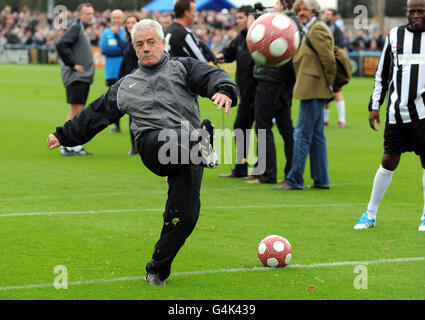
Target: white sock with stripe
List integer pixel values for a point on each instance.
(381, 183)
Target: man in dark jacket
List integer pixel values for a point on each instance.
(181, 42)
(77, 67)
(161, 98)
(273, 100)
(238, 50)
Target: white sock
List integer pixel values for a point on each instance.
(380, 185)
(423, 183)
(77, 148)
(327, 114)
(340, 106)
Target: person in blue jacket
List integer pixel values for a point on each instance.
(112, 44)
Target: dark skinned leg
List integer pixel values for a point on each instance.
(390, 161)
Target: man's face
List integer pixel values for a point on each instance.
(149, 49)
(166, 22)
(305, 14)
(328, 16)
(278, 6)
(416, 14)
(191, 14)
(117, 18)
(86, 15)
(242, 20)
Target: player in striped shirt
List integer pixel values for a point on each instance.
(401, 73)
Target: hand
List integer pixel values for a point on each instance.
(222, 99)
(251, 20)
(52, 142)
(79, 68)
(374, 116)
(220, 58)
(115, 28)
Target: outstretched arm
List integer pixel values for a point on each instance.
(90, 121)
(211, 82)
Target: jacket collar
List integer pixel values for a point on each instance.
(309, 24)
(164, 60)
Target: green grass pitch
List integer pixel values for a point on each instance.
(100, 216)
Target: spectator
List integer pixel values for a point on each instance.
(77, 68)
(112, 44)
(313, 90)
(129, 63)
(238, 50)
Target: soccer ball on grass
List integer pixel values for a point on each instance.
(274, 251)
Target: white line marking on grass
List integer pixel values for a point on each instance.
(204, 272)
(270, 206)
(49, 213)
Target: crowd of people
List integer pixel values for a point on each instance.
(34, 28)
(217, 29)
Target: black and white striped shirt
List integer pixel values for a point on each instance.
(180, 42)
(401, 73)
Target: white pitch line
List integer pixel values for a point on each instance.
(204, 272)
(272, 206)
(276, 206)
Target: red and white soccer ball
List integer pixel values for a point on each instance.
(273, 39)
(274, 251)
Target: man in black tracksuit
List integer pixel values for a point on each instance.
(274, 100)
(238, 50)
(161, 98)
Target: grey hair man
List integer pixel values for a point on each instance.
(161, 97)
(77, 67)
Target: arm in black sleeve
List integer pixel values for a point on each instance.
(65, 44)
(91, 120)
(206, 80)
(229, 52)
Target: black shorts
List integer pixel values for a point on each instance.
(77, 92)
(408, 137)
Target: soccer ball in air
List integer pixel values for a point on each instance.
(273, 39)
(274, 251)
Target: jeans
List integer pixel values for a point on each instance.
(309, 138)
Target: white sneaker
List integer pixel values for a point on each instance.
(365, 223)
(422, 225)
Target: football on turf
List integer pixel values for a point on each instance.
(273, 39)
(274, 251)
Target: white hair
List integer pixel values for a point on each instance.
(145, 25)
(312, 5)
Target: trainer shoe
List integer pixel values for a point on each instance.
(422, 226)
(207, 145)
(154, 280)
(342, 124)
(365, 223)
(66, 151)
(83, 152)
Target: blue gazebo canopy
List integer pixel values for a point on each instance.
(168, 5)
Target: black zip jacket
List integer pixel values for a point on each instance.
(238, 50)
(163, 96)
